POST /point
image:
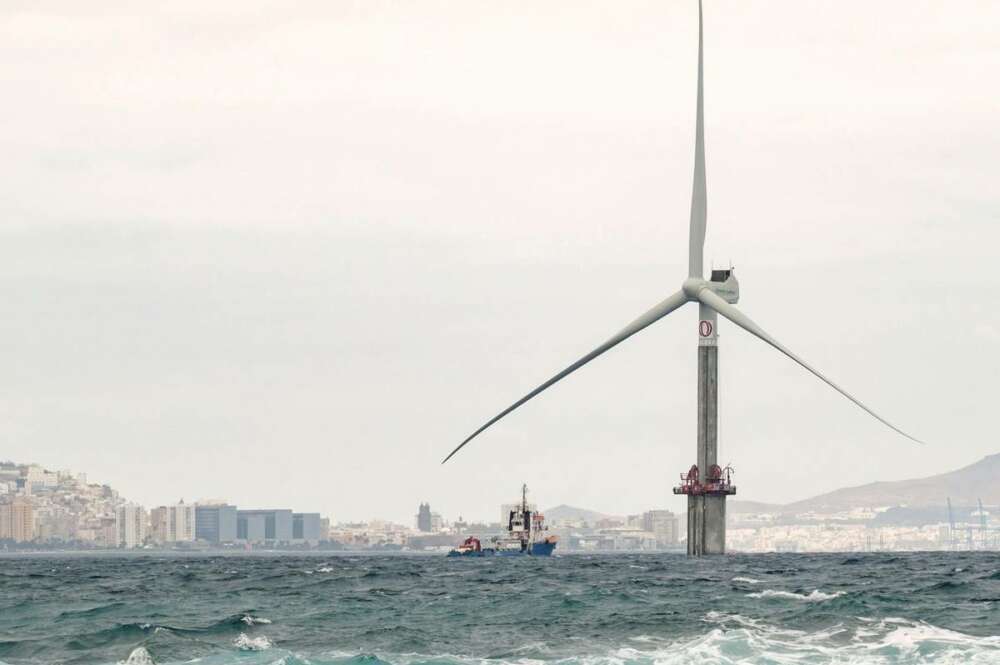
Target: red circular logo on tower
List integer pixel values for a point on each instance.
(705, 328)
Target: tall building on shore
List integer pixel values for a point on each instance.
(158, 525)
(17, 520)
(131, 526)
(265, 526)
(324, 528)
(215, 523)
(424, 518)
(173, 524)
(306, 527)
(663, 524)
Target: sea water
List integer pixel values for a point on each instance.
(613, 609)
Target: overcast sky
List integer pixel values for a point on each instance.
(292, 254)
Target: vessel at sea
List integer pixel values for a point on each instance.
(526, 535)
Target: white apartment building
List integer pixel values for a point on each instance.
(130, 526)
(37, 478)
(173, 524)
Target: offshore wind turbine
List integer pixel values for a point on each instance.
(705, 484)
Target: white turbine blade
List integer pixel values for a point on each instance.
(699, 195)
(743, 321)
(647, 319)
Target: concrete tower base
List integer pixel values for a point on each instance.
(706, 531)
(707, 500)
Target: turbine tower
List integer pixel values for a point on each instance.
(706, 484)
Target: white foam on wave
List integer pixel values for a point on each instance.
(251, 620)
(913, 636)
(324, 569)
(644, 638)
(139, 656)
(734, 639)
(730, 639)
(246, 643)
(816, 596)
(746, 580)
(879, 641)
(743, 640)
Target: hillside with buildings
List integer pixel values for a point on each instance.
(54, 506)
(956, 510)
(40, 508)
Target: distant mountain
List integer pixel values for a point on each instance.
(964, 486)
(564, 513)
(741, 506)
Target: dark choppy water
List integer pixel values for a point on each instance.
(571, 610)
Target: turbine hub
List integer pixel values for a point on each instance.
(692, 286)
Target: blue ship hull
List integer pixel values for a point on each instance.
(543, 549)
(536, 549)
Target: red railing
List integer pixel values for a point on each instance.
(717, 481)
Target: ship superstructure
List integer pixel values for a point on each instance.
(526, 535)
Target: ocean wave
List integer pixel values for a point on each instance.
(912, 642)
(138, 656)
(90, 612)
(746, 580)
(949, 586)
(731, 639)
(122, 633)
(246, 643)
(227, 626)
(815, 596)
(251, 620)
(752, 643)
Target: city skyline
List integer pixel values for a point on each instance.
(203, 270)
(34, 516)
(51, 476)
(22, 484)
(44, 510)
(403, 514)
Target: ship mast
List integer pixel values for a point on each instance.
(525, 517)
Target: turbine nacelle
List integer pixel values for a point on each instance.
(723, 284)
